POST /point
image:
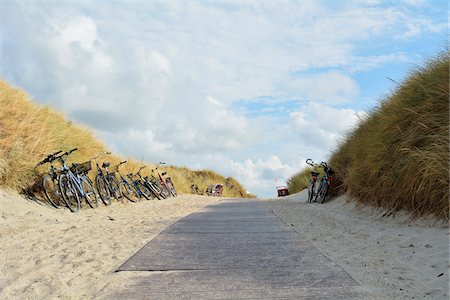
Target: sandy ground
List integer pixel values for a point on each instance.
(54, 254)
(392, 258)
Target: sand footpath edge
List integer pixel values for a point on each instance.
(392, 258)
(50, 253)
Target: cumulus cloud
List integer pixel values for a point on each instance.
(158, 80)
(322, 125)
(329, 87)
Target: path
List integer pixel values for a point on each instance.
(231, 250)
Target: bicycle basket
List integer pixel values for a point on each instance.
(81, 168)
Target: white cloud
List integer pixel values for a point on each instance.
(329, 87)
(259, 175)
(159, 79)
(322, 125)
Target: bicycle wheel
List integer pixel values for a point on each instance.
(171, 187)
(69, 193)
(311, 187)
(323, 193)
(89, 192)
(114, 187)
(165, 193)
(51, 191)
(127, 191)
(103, 189)
(146, 193)
(155, 189)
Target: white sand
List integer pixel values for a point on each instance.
(392, 258)
(54, 254)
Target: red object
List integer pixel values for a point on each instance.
(282, 191)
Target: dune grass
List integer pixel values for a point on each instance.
(300, 181)
(398, 157)
(29, 132)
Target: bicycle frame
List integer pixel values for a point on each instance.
(75, 178)
(312, 189)
(162, 180)
(134, 182)
(99, 170)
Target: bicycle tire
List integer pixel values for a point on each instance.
(89, 192)
(114, 187)
(51, 191)
(165, 193)
(155, 189)
(103, 190)
(69, 193)
(127, 191)
(323, 193)
(138, 192)
(146, 193)
(171, 187)
(311, 191)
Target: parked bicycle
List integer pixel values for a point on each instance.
(140, 188)
(128, 190)
(50, 181)
(165, 182)
(73, 183)
(155, 189)
(195, 189)
(312, 190)
(325, 183)
(107, 185)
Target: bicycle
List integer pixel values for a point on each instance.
(150, 184)
(165, 183)
(325, 183)
(140, 188)
(195, 190)
(312, 182)
(73, 184)
(50, 181)
(107, 185)
(127, 190)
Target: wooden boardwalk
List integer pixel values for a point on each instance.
(231, 250)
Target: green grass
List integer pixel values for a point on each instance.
(29, 132)
(398, 157)
(300, 181)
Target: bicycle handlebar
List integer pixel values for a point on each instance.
(56, 153)
(139, 172)
(49, 158)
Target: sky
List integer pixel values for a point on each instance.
(250, 89)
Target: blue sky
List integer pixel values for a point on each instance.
(249, 89)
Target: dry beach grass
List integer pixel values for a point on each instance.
(398, 157)
(29, 132)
